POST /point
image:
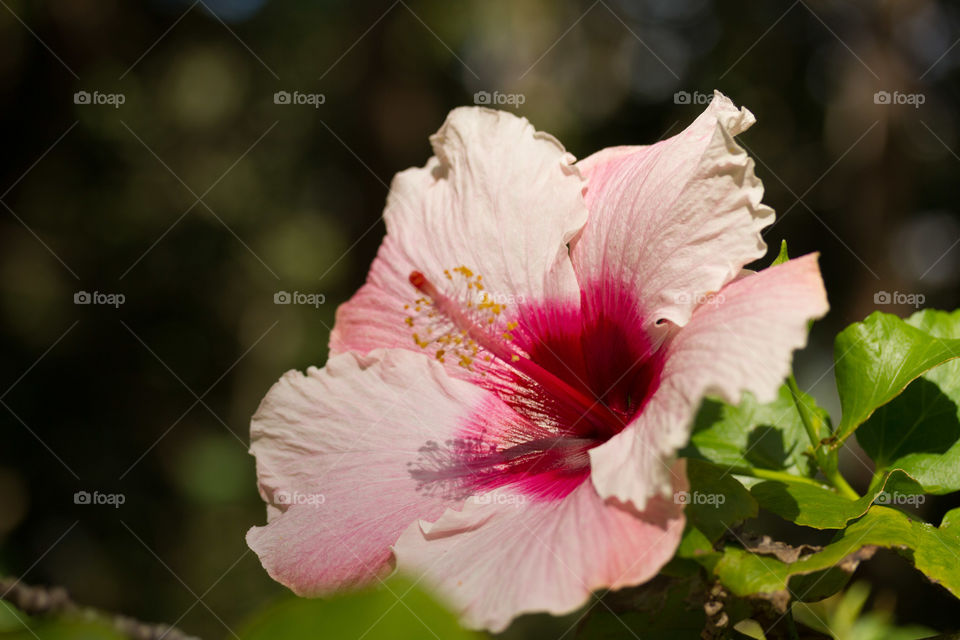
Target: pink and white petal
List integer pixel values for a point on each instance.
(501, 557)
(674, 220)
(333, 448)
(499, 197)
(742, 339)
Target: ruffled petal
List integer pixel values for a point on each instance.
(741, 339)
(333, 448)
(672, 221)
(499, 198)
(502, 556)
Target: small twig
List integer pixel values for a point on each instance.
(792, 625)
(811, 424)
(42, 601)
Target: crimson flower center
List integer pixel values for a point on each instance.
(568, 377)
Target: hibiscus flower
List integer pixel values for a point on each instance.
(506, 394)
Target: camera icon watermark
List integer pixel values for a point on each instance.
(296, 97)
(109, 299)
(297, 297)
(97, 98)
(898, 297)
(487, 99)
(114, 500)
(897, 97)
(698, 498)
(697, 97)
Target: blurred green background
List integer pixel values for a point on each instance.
(200, 197)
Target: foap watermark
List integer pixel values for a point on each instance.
(98, 98)
(898, 297)
(96, 498)
(298, 297)
(697, 97)
(898, 97)
(509, 499)
(290, 498)
(895, 498)
(502, 299)
(97, 297)
(698, 498)
(699, 298)
(297, 97)
(485, 98)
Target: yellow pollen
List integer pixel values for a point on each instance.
(436, 330)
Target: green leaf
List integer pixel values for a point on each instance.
(820, 507)
(716, 501)
(745, 573)
(782, 256)
(768, 436)
(919, 430)
(694, 544)
(15, 625)
(11, 619)
(394, 610)
(842, 617)
(934, 551)
(876, 359)
(938, 552)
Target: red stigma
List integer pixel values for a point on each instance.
(417, 279)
